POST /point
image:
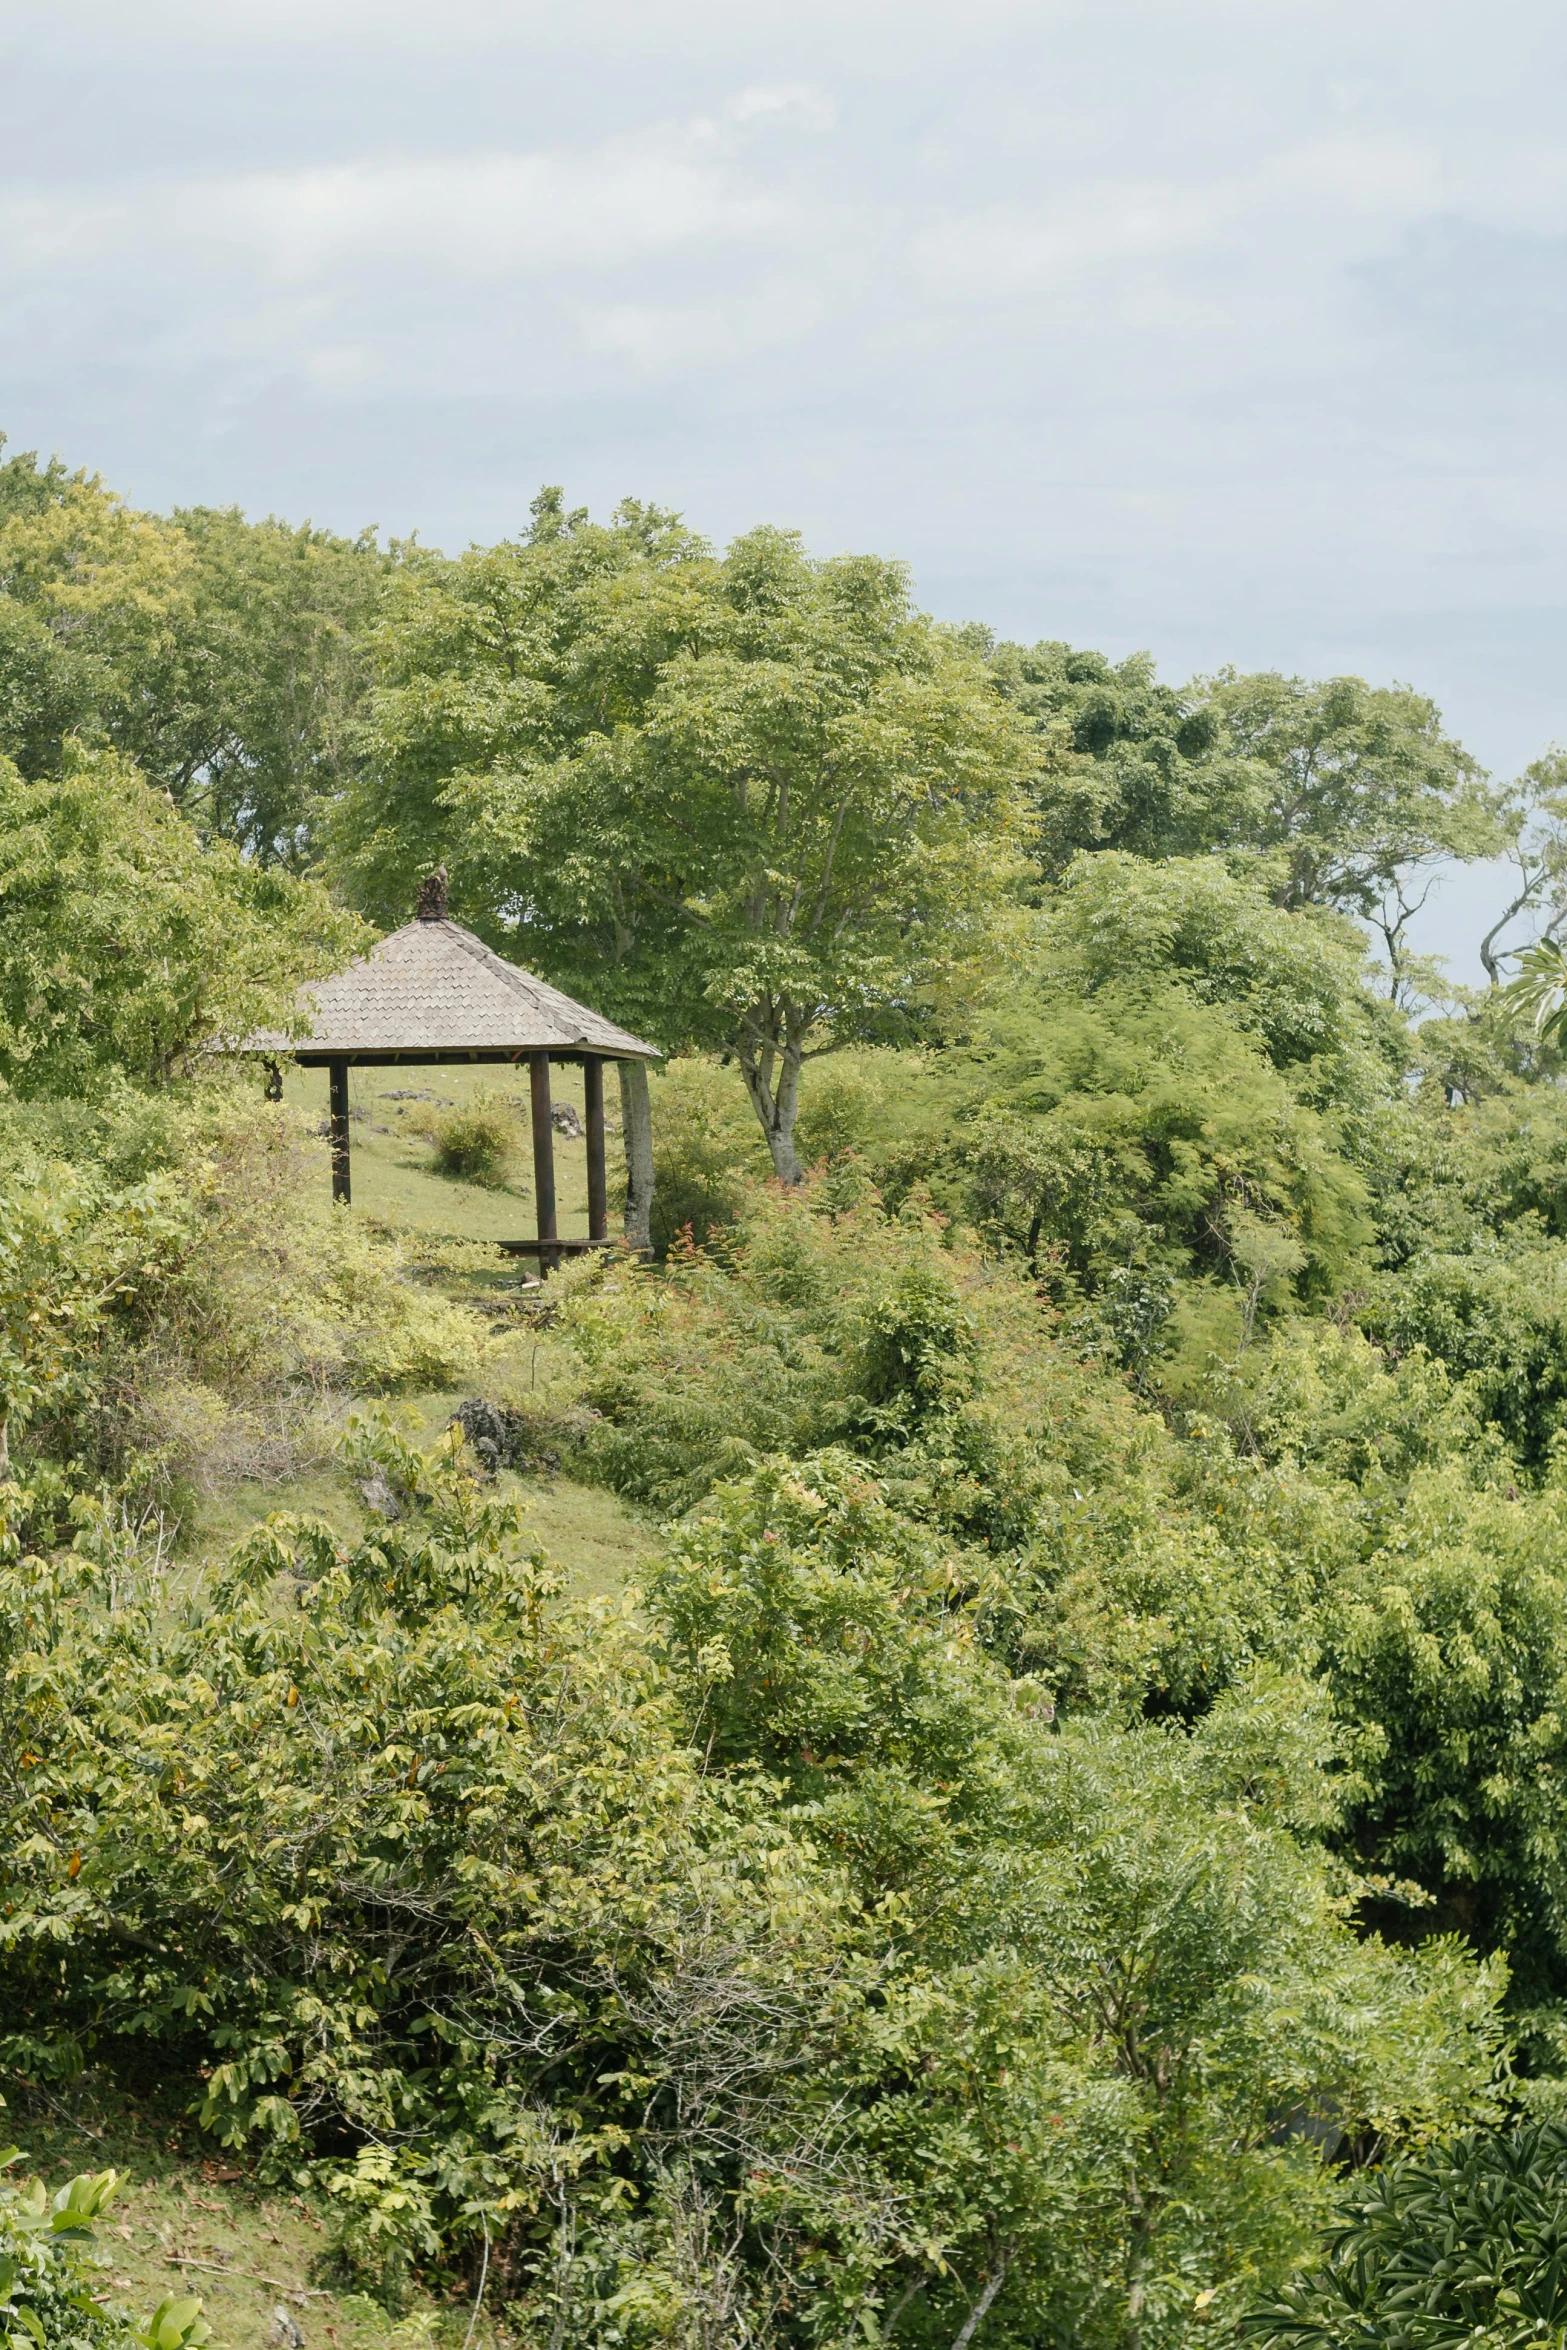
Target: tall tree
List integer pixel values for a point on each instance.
(1351, 786)
(758, 803)
(1127, 763)
(226, 658)
(1336, 794)
(127, 945)
(1534, 819)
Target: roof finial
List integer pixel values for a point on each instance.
(432, 897)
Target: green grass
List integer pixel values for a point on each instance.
(598, 1543)
(601, 1545)
(393, 1177)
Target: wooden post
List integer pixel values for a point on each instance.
(636, 1117)
(337, 1079)
(543, 1158)
(598, 1180)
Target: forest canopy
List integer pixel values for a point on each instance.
(1059, 1840)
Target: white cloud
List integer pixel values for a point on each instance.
(473, 216)
(1184, 321)
(812, 107)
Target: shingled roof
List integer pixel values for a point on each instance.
(432, 989)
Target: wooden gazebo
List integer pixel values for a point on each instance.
(434, 994)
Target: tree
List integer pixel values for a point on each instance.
(94, 604)
(126, 945)
(1138, 1976)
(1337, 794)
(484, 661)
(1534, 813)
(1443, 1650)
(226, 658)
(256, 733)
(759, 804)
(1128, 763)
(1352, 788)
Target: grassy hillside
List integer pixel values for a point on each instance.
(593, 1536)
(188, 2220)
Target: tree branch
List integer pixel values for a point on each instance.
(981, 2308)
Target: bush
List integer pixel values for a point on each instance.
(476, 1142)
(206, 1315)
(127, 947)
(820, 1318)
(707, 1146)
(1459, 2244)
(1497, 1317)
(768, 1957)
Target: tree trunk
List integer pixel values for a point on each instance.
(636, 1124)
(777, 1107)
(1138, 2248)
(1488, 954)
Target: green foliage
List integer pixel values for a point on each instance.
(1350, 785)
(172, 1299)
(1140, 1130)
(274, 677)
(1330, 791)
(706, 1149)
(1540, 988)
(1130, 1899)
(820, 1319)
(506, 1770)
(477, 1141)
(759, 802)
(1444, 1652)
(1464, 2243)
(68, 1257)
(224, 658)
(1498, 1318)
(125, 945)
(1090, 1753)
(795, 1959)
(1296, 983)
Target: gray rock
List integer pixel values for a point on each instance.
(490, 1431)
(379, 1496)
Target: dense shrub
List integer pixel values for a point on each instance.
(819, 1318)
(207, 1311)
(707, 1147)
(129, 948)
(762, 1963)
(1497, 1317)
(476, 1141)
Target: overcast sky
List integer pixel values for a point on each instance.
(1238, 332)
